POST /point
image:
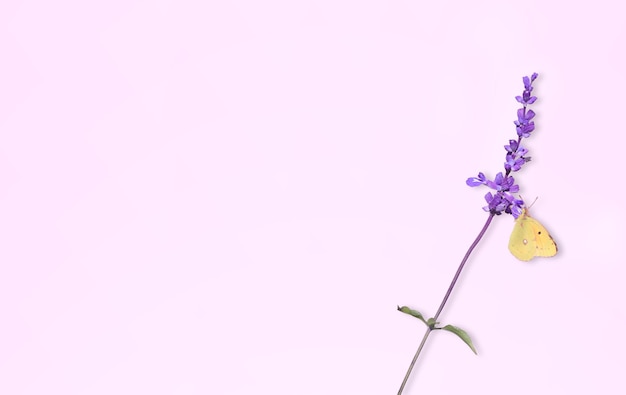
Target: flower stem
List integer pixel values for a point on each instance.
(445, 299)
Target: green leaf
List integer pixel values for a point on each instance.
(462, 334)
(412, 312)
(431, 323)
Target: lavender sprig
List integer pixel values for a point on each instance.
(502, 201)
(504, 184)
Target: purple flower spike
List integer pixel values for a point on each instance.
(504, 184)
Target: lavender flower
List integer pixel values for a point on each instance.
(500, 200)
(503, 201)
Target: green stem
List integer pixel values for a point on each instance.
(445, 299)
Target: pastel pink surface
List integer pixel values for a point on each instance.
(233, 197)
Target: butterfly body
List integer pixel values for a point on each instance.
(530, 239)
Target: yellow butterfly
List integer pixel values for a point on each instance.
(530, 239)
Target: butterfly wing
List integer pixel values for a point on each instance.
(530, 239)
(545, 245)
(522, 241)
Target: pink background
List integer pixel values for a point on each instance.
(232, 197)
